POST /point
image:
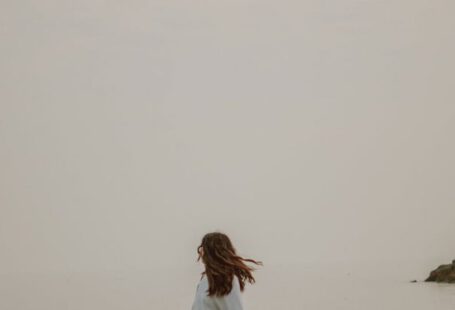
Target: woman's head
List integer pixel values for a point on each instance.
(222, 263)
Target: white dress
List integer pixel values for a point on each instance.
(231, 301)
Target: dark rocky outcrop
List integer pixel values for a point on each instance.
(444, 273)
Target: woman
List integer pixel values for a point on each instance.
(225, 274)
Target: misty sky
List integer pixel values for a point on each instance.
(306, 130)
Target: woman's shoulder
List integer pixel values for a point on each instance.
(236, 282)
(204, 283)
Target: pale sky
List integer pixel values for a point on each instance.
(306, 130)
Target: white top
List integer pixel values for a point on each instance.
(231, 301)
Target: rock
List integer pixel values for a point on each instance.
(444, 273)
(413, 281)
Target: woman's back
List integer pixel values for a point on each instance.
(225, 275)
(231, 301)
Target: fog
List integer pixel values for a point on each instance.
(308, 131)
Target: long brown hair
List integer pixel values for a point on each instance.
(222, 264)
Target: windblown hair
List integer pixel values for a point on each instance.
(222, 264)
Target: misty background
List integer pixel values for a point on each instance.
(308, 131)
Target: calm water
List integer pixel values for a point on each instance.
(306, 286)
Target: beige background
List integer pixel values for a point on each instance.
(310, 131)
